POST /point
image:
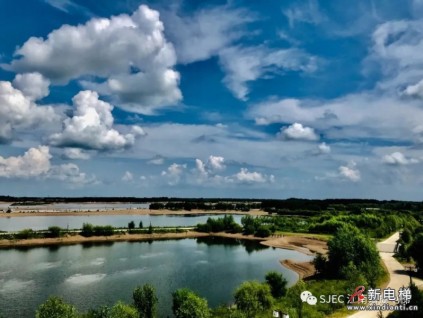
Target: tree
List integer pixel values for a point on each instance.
(415, 251)
(145, 300)
(87, 230)
(122, 310)
(55, 307)
(141, 225)
(131, 225)
(252, 297)
(150, 229)
(277, 284)
(320, 263)
(187, 304)
(349, 245)
(293, 297)
(54, 231)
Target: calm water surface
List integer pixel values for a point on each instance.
(76, 222)
(94, 275)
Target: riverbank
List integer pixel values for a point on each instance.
(299, 243)
(26, 212)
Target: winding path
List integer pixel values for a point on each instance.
(397, 273)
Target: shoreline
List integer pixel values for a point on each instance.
(25, 213)
(298, 243)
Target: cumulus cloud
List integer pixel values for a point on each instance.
(35, 162)
(129, 51)
(76, 153)
(415, 90)
(32, 85)
(243, 65)
(209, 169)
(397, 159)
(323, 148)
(174, 173)
(71, 173)
(245, 176)
(198, 37)
(297, 131)
(350, 172)
(19, 112)
(91, 126)
(127, 176)
(157, 160)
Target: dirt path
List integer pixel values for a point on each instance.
(397, 273)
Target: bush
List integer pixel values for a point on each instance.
(54, 231)
(87, 230)
(277, 284)
(25, 234)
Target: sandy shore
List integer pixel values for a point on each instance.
(22, 213)
(78, 239)
(299, 243)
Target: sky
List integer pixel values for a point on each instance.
(237, 98)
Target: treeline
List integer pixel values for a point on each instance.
(270, 205)
(206, 206)
(256, 226)
(251, 298)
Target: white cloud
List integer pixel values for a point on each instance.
(350, 172)
(198, 37)
(35, 162)
(415, 90)
(174, 173)
(297, 131)
(245, 176)
(308, 12)
(129, 51)
(216, 163)
(243, 65)
(323, 148)
(398, 158)
(127, 176)
(70, 173)
(91, 126)
(32, 85)
(76, 153)
(157, 160)
(18, 112)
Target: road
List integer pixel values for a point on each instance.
(397, 273)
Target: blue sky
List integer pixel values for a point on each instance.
(279, 99)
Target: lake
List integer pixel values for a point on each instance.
(92, 275)
(76, 222)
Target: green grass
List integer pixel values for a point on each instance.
(324, 237)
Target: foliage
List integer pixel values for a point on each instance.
(54, 231)
(252, 297)
(415, 251)
(277, 284)
(320, 263)
(225, 224)
(25, 234)
(131, 225)
(140, 225)
(145, 300)
(122, 310)
(87, 230)
(349, 247)
(186, 304)
(55, 307)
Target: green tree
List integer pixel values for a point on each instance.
(187, 304)
(131, 225)
(415, 251)
(122, 310)
(150, 229)
(277, 284)
(141, 225)
(294, 299)
(145, 300)
(320, 263)
(349, 245)
(54, 231)
(87, 230)
(55, 307)
(253, 297)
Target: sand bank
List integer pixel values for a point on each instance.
(22, 213)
